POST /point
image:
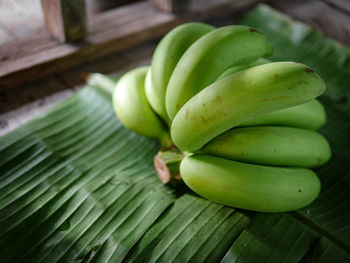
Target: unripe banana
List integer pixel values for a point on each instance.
(271, 145)
(248, 186)
(310, 115)
(132, 108)
(210, 56)
(235, 69)
(167, 54)
(240, 97)
(152, 97)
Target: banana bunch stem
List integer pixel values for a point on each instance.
(166, 142)
(167, 164)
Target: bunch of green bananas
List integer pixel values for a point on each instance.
(246, 125)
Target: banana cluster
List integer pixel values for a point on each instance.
(246, 125)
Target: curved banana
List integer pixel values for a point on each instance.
(210, 56)
(248, 186)
(240, 97)
(271, 145)
(310, 115)
(235, 69)
(150, 96)
(132, 108)
(167, 54)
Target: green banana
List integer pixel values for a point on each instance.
(167, 54)
(132, 108)
(209, 84)
(310, 115)
(235, 69)
(150, 95)
(208, 57)
(242, 96)
(248, 186)
(271, 145)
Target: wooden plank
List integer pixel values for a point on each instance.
(342, 5)
(5, 35)
(21, 104)
(113, 65)
(332, 22)
(109, 32)
(98, 6)
(172, 6)
(16, 97)
(22, 18)
(65, 19)
(26, 28)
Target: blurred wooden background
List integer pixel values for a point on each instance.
(23, 18)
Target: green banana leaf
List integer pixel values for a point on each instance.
(76, 186)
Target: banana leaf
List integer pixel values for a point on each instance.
(76, 186)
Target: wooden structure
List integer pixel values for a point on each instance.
(111, 31)
(172, 6)
(65, 19)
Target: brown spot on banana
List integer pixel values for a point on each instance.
(188, 110)
(253, 30)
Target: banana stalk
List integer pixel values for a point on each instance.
(167, 164)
